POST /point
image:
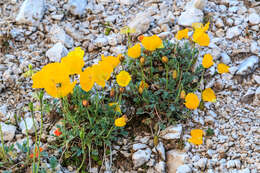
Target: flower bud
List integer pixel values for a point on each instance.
(85, 103)
(142, 60)
(122, 90)
(165, 59)
(112, 92)
(174, 74)
(183, 94)
(121, 58)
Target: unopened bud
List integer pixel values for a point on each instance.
(122, 90)
(165, 59)
(112, 92)
(85, 103)
(174, 74)
(142, 60)
(183, 94)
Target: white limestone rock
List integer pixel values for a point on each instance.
(190, 16)
(248, 65)
(8, 131)
(31, 12)
(57, 52)
(139, 146)
(59, 35)
(172, 132)
(77, 7)
(233, 32)
(183, 169)
(161, 150)
(141, 156)
(254, 19)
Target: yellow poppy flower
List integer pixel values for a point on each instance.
(223, 68)
(207, 61)
(87, 79)
(142, 86)
(113, 61)
(74, 61)
(196, 136)
(208, 95)
(117, 106)
(123, 78)
(120, 122)
(199, 26)
(39, 79)
(65, 87)
(135, 51)
(102, 72)
(152, 42)
(201, 38)
(191, 101)
(182, 34)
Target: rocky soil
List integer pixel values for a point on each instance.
(39, 31)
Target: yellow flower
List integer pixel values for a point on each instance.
(207, 61)
(174, 74)
(191, 101)
(113, 61)
(196, 137)
(182, 34)
(135, 51)
(208, 95)
(201, 38)
(62, 90)
(87, 79)
(74, 62)
(223, 68)
(151, 43)
(199, 35)
(102, 72)
(123, 78)
(142, 86)
(39, 79)
(117, 106)
(120, 122)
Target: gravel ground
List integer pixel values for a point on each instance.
(39, 31)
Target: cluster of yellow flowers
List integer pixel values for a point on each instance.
(55, 77)
(150, 43)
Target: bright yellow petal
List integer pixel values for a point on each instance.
(87, 79)
(182, 34)
(208, 95)
(135, 51)
(196, 133)
(151, 43)
(191, 101)
(223, 68)
(123, 78)
(207, 61)
(120, 122)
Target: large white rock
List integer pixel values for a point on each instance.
(171, 132)
(77, 7)
(141, 156)
(184, 169)
(139, 146)
(254, 18)
(57, 52)
(161, 150)
(8, 131)
(248, 65)
(190, 16)
(141, 22)
(29, 123)
(59, 35)
(175, 159)
(31, 12)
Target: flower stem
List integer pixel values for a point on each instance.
(2, 140)
(167, 73)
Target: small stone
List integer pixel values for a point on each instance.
(257, 93)
(57, 52)
(139, 146)
(141, 22)
(112, 39)
(229, 21)
(233, 32)
(225, 58)
(175, 159)
(172, 132)
(190, 16)
(248, 65)
(30, 126)
(254, 48)
(101, 42)
(219, 23)
(183, 169)
(161, 150)
(59, 35)
(8, 131)
(31, 12)
(249, 96)
(77, 7)
(160, 167)
(127, 2)
(199, 4)
(254, 19)
(141, 156)
(231, 164)
(3, 111)
(202, 163)
(209, 120)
